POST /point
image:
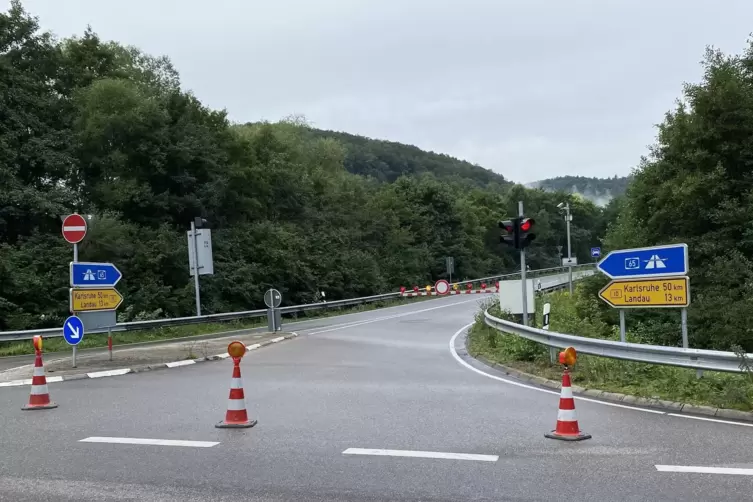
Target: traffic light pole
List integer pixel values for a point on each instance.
(569, 218)
(523, 271)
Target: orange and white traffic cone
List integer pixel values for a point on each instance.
(567, 423)
(236, 416)
(39, 399)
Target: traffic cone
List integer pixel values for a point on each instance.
(567, 423)
(39, 399)
(236, 416)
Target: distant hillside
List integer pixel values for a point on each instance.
(599, 190)
(388, 160)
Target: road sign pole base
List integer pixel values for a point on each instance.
(242, 425)
(48, 406)
(568, 437)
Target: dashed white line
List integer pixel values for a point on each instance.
(175, 364)
(518, 384)
(154, 442)
(109, 373)
(704, 470)
(421, 454)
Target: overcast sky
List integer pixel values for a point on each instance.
(530, 88)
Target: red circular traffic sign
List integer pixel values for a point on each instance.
(74, 228)
(442, 287)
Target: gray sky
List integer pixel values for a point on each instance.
(530, 88)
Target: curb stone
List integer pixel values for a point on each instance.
(146, 367)
(669, 406)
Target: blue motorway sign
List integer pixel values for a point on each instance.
(595, 252)
(85, 274)
(657, 261)
(73, 330)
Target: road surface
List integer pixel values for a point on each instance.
(380, 380)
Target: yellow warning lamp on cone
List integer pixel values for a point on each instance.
(568, 357)
(37, 341)
(236, 349)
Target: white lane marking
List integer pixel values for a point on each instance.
(704, 470)
(155, 442)
(518, 384)
(108, 373)
(54, 379)
(657, 412)
(180, 363)
(253, 347)
(421, 454)
(278, 339)
(730, 422)
(369, 321)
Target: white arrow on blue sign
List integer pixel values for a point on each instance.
(73, 330)
(657, 261)
(85, 274)
(595, 252)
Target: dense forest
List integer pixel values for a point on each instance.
(106, 130)
(696, 186)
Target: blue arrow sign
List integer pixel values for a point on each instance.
(73, 330)
(85, 274)
(595, 252)
(655, 261)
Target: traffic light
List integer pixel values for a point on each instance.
(525, 233)
(511, 227)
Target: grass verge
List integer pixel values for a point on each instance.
(722, 390)
(58, 344)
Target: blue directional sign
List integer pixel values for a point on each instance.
(85, 274)
(595, 252)
(657, 261)
(73, 330)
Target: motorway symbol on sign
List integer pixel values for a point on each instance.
(88, 300)
(272, 298)
(85, 274)
(647, 293)
(442, 287)
(657, 261)
(74, 228)
(73, 330)
(595, 252)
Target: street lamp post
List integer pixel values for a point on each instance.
(568, 219)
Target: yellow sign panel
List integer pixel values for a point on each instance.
(87, 300)
(647, 293)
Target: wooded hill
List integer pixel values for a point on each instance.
(107, 131)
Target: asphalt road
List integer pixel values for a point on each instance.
(384, 379)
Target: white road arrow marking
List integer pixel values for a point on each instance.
(75, 332)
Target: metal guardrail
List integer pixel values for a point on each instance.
(712, 360)
(10, 336)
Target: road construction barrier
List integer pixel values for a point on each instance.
(567, 428)
(39, 398)
(236, 416)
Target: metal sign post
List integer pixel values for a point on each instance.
(196, 268)
(273, 299)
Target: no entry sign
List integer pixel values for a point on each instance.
(74, 228)
(442, 287)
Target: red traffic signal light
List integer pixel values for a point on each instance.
(526, 225)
